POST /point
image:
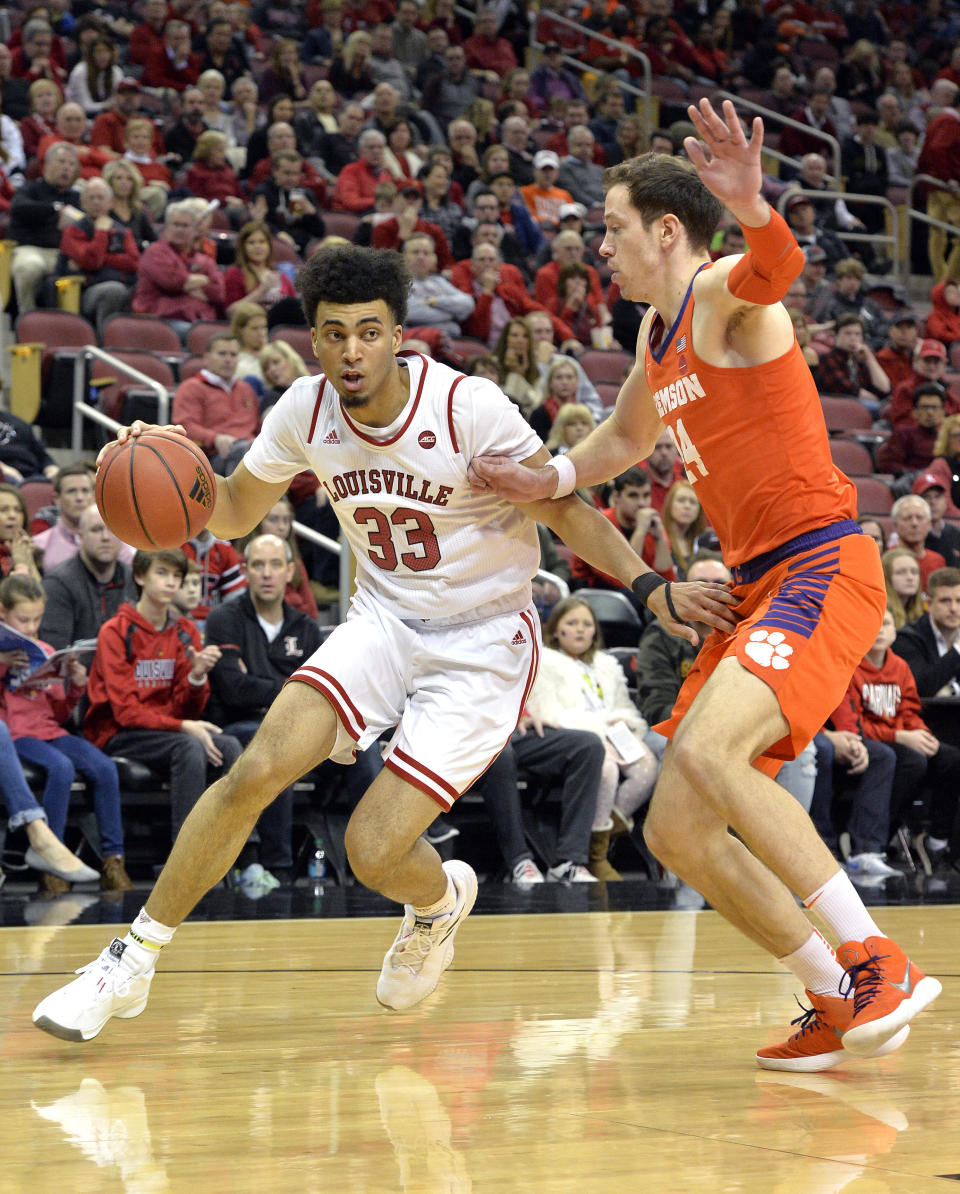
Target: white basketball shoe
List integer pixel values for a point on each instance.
(423, 949)
(109, 986)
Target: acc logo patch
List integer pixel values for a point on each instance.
(427, 439)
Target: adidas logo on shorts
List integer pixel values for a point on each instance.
(331, 437)
(518, 639)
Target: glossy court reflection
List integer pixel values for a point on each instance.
(587, 1053)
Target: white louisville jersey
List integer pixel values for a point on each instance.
(426, 545)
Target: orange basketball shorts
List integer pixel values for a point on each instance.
(806, 622)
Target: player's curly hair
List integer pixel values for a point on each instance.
(350, 274)
(660, 185)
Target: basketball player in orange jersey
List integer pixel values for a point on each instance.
(440, 645)
(718, 365)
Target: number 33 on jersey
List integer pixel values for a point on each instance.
(426, 545)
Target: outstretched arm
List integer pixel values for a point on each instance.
(596, 540)
(619, 442)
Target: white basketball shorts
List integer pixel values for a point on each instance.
(454, 694)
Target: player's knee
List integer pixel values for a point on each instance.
(659, 831)
(694, 760)
(255, 778)
(371, 858)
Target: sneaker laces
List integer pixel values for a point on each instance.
(865, 980)
(112, 981)
(413, 948)
(809, 1020)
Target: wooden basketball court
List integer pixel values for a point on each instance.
(594, 1053)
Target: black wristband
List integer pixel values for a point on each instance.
(671, 608)
(646, 584)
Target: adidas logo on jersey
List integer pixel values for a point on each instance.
(331, 437)
(518, 639)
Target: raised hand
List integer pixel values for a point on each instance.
(732, 170)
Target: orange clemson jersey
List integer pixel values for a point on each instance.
(752, 440)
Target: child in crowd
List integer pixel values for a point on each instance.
(190, 595)
(882, 703)
(582, 687)
(148, 687)
(35, 714)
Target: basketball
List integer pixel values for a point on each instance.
(155, 490)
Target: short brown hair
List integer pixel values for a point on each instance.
(173, 557)
(943, 578)
(659, 185)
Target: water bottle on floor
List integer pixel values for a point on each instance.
(317, 867)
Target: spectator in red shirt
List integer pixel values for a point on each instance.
(356, 181)
(943, 322)
(176, 282)
(500, 294)
(147, 37)
(896, 356)
(104, 252)
(911, 526)
(796, 143)
(940, 157)
(663, 468)
(929, 364)
(173, 65)
(71, 126)
(109, 127)
(632, 514)
(219, 413)
(210, 175)
(45, 98)
(910, 447)
(393, 232)
(35, 57)
(485, 50)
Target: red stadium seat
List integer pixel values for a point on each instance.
(141, 333)
(606, 364)
(608, 391)
(845, 414)
(873, 495)
(199, 335)
(853, 458)
(341, 223)
(298, 339)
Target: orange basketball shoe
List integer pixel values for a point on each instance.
(817, 1043)
(886, 990)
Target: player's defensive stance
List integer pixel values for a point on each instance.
(441, 642)
(718, 365)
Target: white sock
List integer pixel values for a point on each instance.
(840, 908)
(144, 940)
(445, 904)
(815, 965)
(937, 843)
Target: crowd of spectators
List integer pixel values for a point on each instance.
(181, 158)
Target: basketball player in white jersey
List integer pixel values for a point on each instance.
(441, 643)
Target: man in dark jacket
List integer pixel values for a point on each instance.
(263, 641)
(664, 660)
(40, 210)
(86, 590)
(931, 645)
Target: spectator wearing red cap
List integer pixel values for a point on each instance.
(933, 486)
(943, 322)
(110, 126)
(542, 196)
(929, 364)
(896, 356)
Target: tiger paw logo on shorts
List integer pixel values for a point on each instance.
(769, 649)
